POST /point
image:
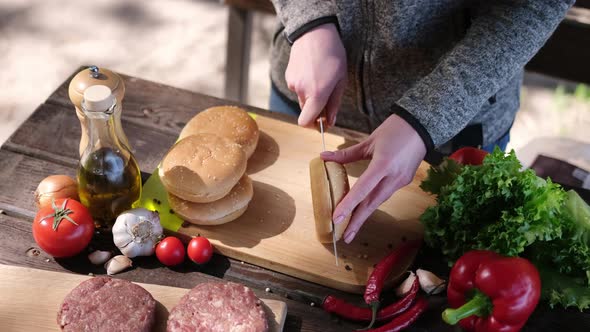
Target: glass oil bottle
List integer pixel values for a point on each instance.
(109, 179)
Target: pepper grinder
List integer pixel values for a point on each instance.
(95, 76)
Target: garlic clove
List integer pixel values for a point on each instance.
(117, 264)
(406, 285)
(99, 257)
(430, 282)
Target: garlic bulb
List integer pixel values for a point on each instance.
(137, 231)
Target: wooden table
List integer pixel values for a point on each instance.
(47, 143)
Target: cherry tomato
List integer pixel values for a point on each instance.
(469, 156)
(63, 228)
(200, 250)
(170, 251)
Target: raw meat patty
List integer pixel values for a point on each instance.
(109, 305)
(218, 307)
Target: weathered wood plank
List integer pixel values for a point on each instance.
(19, 177)
(20, 249)
(53, 133)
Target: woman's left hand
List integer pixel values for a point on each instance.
(395, 150)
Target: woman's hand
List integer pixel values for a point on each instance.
(395, 150)
(317, 73)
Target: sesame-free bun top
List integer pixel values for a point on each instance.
(202, 168)
(226, 209)
(227, 121)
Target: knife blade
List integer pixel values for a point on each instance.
(333, 227)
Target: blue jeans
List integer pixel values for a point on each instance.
(502, 142)
(276, 103)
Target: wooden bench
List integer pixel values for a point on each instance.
(565, 55)
(239, 38)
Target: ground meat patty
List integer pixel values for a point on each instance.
(109, 305)
(218, 307)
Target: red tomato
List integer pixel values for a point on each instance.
(469, 156)
(64, 228)
(170, 251)
(200, 250)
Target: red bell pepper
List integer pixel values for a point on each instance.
(491, 292)
(469, 156)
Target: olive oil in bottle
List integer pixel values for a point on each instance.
(109, 179)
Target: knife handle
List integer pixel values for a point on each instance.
(324, 119)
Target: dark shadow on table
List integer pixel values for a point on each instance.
(293, 323)
(161, 317)
(266, 153)
(270, 213)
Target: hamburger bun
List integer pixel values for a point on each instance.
(202, 168)
(218, 212)
(329, 184)
(227, 121)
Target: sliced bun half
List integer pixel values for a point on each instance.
(329, 184)
(219, 212)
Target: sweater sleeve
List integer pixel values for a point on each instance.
(500, 41)
(300, 16)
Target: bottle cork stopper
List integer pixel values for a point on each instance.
(98, 98)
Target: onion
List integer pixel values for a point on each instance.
(54, 187)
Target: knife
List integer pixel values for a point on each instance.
(322, 117)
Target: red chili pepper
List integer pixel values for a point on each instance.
(350, 311)
(406, 319)
(381, 272)
(469, 156)
(491, 292)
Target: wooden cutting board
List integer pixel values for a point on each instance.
(278, 229)
(30, 299)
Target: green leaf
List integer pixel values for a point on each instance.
(559, 289)
(440, 176)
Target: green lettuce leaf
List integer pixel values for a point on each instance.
(494, 206)
(440, 176)
(560, 289)
(500, 207)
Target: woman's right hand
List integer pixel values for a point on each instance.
(317, 73)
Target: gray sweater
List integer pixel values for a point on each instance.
(441, 64)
